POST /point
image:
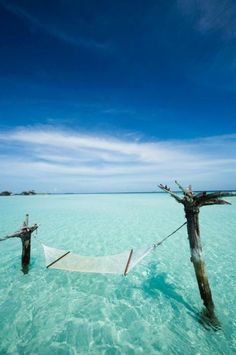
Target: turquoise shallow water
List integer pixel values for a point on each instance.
(155, 310)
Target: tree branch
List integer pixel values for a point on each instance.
(211, 195)
(215, 202)
(185, 191)
(204, 197)
(168, 190)
(21, 232)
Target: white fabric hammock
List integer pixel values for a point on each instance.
(113, 264)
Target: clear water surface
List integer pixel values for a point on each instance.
(154, 310)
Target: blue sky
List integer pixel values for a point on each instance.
(117, 95)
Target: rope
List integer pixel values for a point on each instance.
(37, 238)
(154, 245)
(169, 235)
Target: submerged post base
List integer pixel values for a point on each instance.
(209, 320)
(25, 269)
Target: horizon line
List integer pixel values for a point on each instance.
(115, 192)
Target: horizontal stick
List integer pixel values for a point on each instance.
(58, 259)
(128, 262)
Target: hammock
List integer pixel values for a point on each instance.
(113, 264)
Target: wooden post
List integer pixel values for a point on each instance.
(26, 222)
(26, 243)
(25, 235)
(26, 247)
(192, 216)
(192, 203)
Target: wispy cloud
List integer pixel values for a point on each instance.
(67, 160)
(54, 30)
(211, 15)
(118, 111)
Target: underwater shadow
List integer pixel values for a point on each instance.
(157, 282)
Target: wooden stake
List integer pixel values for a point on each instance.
(25, 235)
(26, 247)
(192, 203)
(26, 221)
(55, 261)
(128, 262)
(192, 216)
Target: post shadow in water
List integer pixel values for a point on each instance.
(157, 282)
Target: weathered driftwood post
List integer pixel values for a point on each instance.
(192, 203)
(26, 243)
(25, 234)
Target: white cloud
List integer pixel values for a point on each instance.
(78, 162)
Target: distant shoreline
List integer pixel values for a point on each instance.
(105, 193)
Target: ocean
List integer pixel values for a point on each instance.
(156, 309)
